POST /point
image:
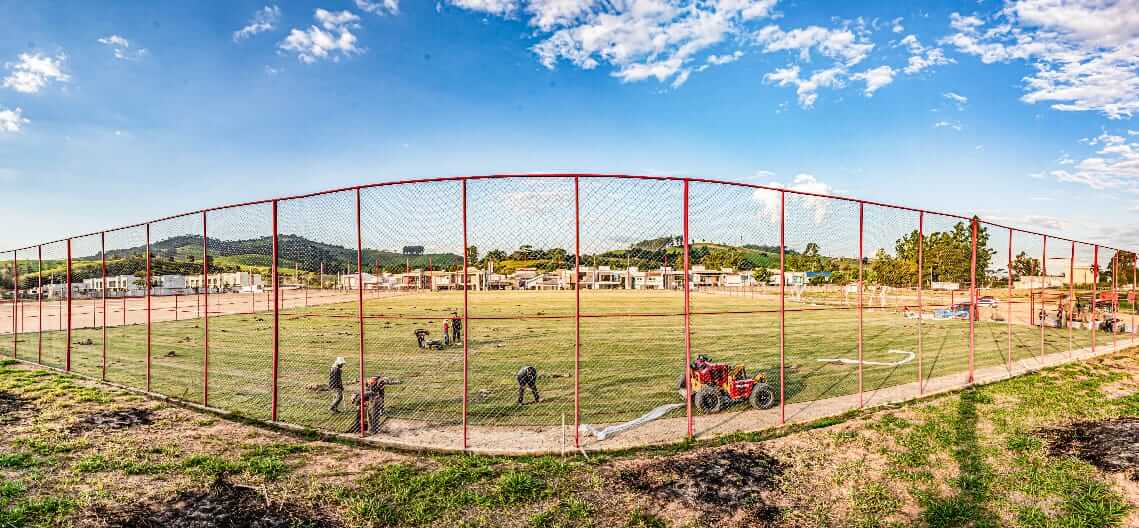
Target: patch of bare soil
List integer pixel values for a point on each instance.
(222, 505)
(119, 419)
(11, 407)
(718, 483)
(1110, 445)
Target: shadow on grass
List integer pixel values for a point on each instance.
(967, 507)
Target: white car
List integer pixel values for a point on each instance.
(987, 300)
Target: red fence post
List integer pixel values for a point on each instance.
(577, 310)
(1043, 286)
(1095, 285)
(40, 303)
(1008, 308)
(147, 307)
(206, 322)
(1114, 294)
(782, 306)
(921, 304)
(67, 362)
(972, 296)
(1132, 295)
(687, 317)
(360, 304)
(276, 316)
(1071, 295)
(103, 267)
(861, 206)
(466, 323)
(15, 303)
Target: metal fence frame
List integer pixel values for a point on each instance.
(276, 305)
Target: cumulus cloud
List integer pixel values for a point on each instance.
(265, 19)
(1084, 52)
(666, 40)
(875, 78)
(34, 71)
(331, 40)
(121, 47)
(807, 88)
(958, 99)
(803, 182)
(840, 43)
(922, 57)
(11, 120)
(383, 7)
(1114, 165)
(896, 25)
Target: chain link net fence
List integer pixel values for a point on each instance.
(551, 312)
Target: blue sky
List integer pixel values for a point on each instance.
(114, 113)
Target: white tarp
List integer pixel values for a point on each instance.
(909, 357)
(632, 424)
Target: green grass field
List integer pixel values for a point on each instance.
(632, 351)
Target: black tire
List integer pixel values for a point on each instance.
(709, 399)
(762, 396)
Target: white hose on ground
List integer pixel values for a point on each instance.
(631, 424)
(909, 357)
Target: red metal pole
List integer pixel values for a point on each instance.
(921, 304)
(1134, 298)
(103, 265)
(687, 316)
(360, 304)
(1071, 295)
(467, 326)
(577, 310)
(1114, 294)
(147, 308)
(15, 302)
(1095, 285)
(40, 302)
(67, 363)
(206, 321)
(861, 206)
(276, 317)
(1043, 285)
(1008, 308)
(782, 306)
(972, 297)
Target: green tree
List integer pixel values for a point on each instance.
(728, 257)
(472, 254)
(761, 275)
(1024, 265)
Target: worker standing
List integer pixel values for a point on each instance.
(456, 327)
(336, 383)
(446, 334)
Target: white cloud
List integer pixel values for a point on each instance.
(875, 78)
(34, 71)
(332, 40)
(922, 57)
(1084, 52)
(12, 120)
(802, 182)
(265, 19)
(724, 59)
(840, 44)
(121, 47)
(955, 125)
(382, 7)
(896, 25)
(666, 40)
(958, 99)
(807, 89)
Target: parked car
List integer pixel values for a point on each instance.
(957, 311)
(987, 300)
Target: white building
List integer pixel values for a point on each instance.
(240, 281)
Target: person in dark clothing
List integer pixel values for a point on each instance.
(336, 383)
(446, 333)
(421, 337)
(527, 377)
(374, 406)
(456, 327)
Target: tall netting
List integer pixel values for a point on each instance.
(1085, 278)
(947, 244)
(1056, 299)
(1128, 278)
(315, 231)
(176, 350)
(55, 305)
(632, 353)
(27, 310)
(126, 306)
(997, 302)
(240, 251)
(524, 230)
(1028, 295)
(87, 305)
(890, 304)
(821, 319)
(1107, 305)
(413, 257)
(9, 305)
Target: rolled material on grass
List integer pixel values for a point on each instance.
(631, 424)
(909, 357)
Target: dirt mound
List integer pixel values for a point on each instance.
(222, 505)
(716, 482)
(11, 407)
(120, 419)
(1111, 445)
